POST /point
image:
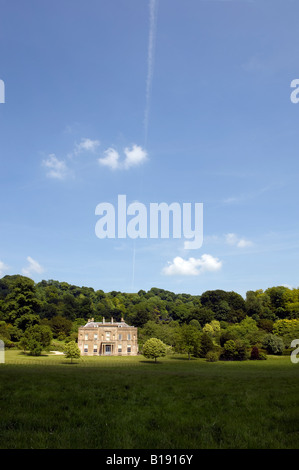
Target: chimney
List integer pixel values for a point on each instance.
(122, 320)
(111, 319)
(103, 320)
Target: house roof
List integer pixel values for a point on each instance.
(93, 324)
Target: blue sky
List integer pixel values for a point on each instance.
(163, 101)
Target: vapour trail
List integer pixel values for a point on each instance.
(153, 8)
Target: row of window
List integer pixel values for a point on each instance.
(95, 348)
(120, 337)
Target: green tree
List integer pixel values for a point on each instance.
(212, 329)
(195, 323)
(26, 321)
(154, 348)
(36, 338)
(60, 326)
(204, 346)
(72, 351)
(187, 339)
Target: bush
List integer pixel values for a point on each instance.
(287, 351)
(262, 356)
(212, 356)
(257, 355)
(242, 351)
(35, 347)
(273, 344)
(234, 351)
(254, 355)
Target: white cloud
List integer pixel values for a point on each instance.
(192, 266)
(3, 268)
(111, 159)
(33, 267)
(234, 240)
(231, 238)
(87, 145)
(56, 168)
(244, 243)
(135, 156)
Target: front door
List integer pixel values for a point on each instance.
(108, 349)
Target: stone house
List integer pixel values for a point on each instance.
(107, 339)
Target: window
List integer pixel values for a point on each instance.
(128, 348)
(95, 349)
(95, 336)
(119, 348)
(107, 335)
(120, 337)
(85, 347)
(86, 336)
(129, 336)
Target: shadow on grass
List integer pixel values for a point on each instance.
(177, 358)
(70, 363)
(27, 353)
(151, 362)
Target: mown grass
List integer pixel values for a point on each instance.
(132, 403)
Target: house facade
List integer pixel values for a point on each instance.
(107, 339)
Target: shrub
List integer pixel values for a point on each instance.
(212, 356)
(35, 347)
(234, 351)
(262, 356)
(254, 355)
(257, 355)
(273, 344)
(242, 352)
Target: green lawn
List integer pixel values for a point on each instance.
(132, 403)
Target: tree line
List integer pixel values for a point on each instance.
(212, 319)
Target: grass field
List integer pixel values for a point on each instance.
(132, 403)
